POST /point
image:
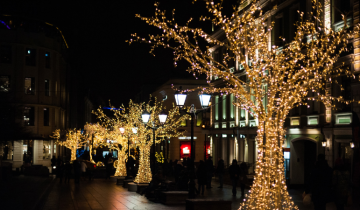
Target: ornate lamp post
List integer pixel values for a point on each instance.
(162, 118)
(180, 99)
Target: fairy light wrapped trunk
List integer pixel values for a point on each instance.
(74, 140)
(282, 76)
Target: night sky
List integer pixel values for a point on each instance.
(96, 32)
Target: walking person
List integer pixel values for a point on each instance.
(220, 171)
(243, 177)
(109, 166)
(201, 176)
(341, 184)
(321, 183)
(209, 172)
(234, 171)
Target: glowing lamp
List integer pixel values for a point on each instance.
(134, 130)
(162, 117)
(352, 145)
(122, 130)
(180, 98)
(205, 100)
(145, 117)
(323, 143)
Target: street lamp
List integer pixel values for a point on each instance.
(205, 103)
(162, 118)
(323, 143)
(352, 145)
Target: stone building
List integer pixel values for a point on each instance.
(311, 130)
(34, 90)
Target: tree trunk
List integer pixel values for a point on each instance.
(73, 153)
(120, 166)
(144, 173)
(269, 190)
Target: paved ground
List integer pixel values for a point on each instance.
(45, 194)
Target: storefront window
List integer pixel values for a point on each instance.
(7, 150)
(27, 151)
(46, 150)
(185, 149)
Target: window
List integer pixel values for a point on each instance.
(343, 118)
(339, 7)
(47, 60)
(47, 87)
(253, 123)
(223, 125)
(4, 83)
(46, 149)
(232, 112)
(46, 117)
(242, 123)
(224, 107)
(30, 57)
(295, 121)
(242, 114)
(183, 123)
(199, 119)
(216, 125)
(232, 124)
(216, 107)
(224, 135)
(30, 85)
(313, 120)
(29, 116)
(5, 54)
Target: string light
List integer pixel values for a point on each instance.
(74, 140)
(282, 76)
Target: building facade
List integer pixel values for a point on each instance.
(178, 148)
(34, 89)
(312, 129)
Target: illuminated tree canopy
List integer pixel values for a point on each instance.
(283, 75)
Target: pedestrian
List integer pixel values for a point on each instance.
(109, 167)
(321, 183)
(243, 177)
(220, 171)
(341, 183)
(209, 172)
(178, 169)
(201, 177)
(67, 171)
(234, 171)
(83, 168)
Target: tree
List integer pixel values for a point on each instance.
(282, 75)
(74, 140)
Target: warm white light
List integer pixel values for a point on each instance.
(162, 117)
(205, 100)
(186, 150)
(324, 143)
(134, 130)
(122, 130)
(352, 145)
(180, 99)
(145, 116)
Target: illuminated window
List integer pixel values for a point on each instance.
(30, 57)
(224, 135)
(216, 107)
(29, 116)
(253, 123)
(242, 114)
(232, 124)
(343, 118)
(242, 123)
(224, 107)
(216, 125)
(4, 83)
(30, 85)
(313, 120)
(223, 125)
(232, 112)
(183, 123)
(295, 121)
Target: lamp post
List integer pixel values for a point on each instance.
(180, 99)
(162, 118)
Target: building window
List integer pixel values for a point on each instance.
(199, 119)
(224, 135)
(5, 54)
(46, 117)
(4, 84)
(183, 123)
(253, 123)
(46, 150)
(295, 121)
(30, 85)
(47, 60)
(216, 125)
(242, 114)
(242, 123)
(343, 118)
(216, 107)
(313, 120)
(223, 125)
(232, 124)
(29, 116)
(224, 107)
(30, 58)
(47, 87)
(232, 112)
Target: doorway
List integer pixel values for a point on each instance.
(302, 161)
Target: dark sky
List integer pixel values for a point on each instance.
(96, 32)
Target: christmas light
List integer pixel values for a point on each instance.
(282, 76)
(74, 140)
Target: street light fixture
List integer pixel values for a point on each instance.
(323, 143)
(122, 130)
(352, 145)
(134, 130)
(162, 117)
(205, 103)
(145, 116)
